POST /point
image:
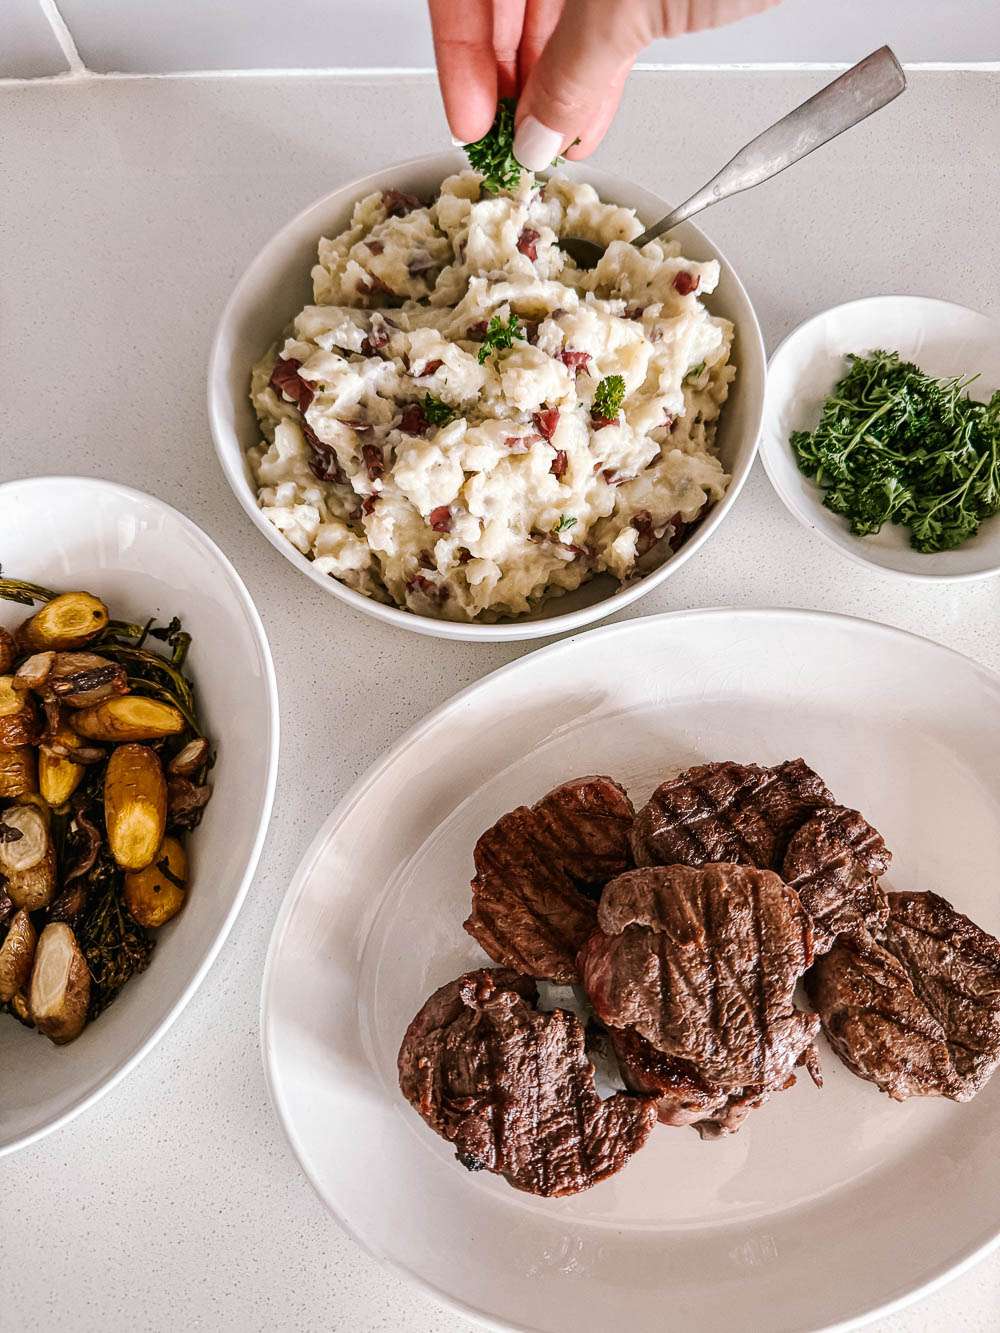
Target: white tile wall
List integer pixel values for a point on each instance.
(27, 45)
(153, 36)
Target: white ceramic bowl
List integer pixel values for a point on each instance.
(277, 285)
(144, 558)
(943, 339)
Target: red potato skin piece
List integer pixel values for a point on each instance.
(546, 421)
(286, 381)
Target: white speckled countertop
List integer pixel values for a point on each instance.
(130, 208)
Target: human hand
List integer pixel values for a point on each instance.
(565, 60)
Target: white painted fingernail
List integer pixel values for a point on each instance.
(458, 143)
(535, 145)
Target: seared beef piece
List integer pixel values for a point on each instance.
(703, 964)
(512, 1088)
(782, 818)
(833, 861)
(919, 1013)
(737, 813)
(682, 1097)
(875, 1022)
(535, 869)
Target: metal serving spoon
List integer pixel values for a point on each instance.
(865, 88)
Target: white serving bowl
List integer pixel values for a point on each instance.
(943, 339)
(277, 285)
(145, 559)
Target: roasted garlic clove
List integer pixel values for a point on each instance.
(18, 716)
(156, 894)
(60, 984)
(131, 717)
(188, 760)
(34, 671)
(27, 857)
(135, 805)
(58, 775)
(68, 621)
(17, 773)
(17, 953)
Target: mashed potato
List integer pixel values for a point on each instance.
(418, 474)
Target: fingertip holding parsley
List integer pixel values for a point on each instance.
(493, 154)
(896, 445)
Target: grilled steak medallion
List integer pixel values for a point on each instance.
(512, 1088)
(538, 870)
(737, 813)
(833, 861)
(782, 818)
(919, 1013)
(703, 963)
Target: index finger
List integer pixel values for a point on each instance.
(467, 65)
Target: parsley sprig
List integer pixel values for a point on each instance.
(493, 154)
(608, 398)
(895, 445)
(437, 411)
(500, 334)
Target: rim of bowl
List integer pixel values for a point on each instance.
(271, 729)
(231, 454)
(854, 550)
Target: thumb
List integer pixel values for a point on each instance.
(584, 63)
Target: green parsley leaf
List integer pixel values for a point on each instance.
(500, 334)
(895, 445)
(695, 372)
(608, 398)
(437, 411)
(493, 154)
(565, 523)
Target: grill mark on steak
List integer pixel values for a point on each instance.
(512, 1089)
(782, 818)
(833, 861)
(917, 1014)
(538, 869)
(676, 956)
(725, 811)
(761, 994)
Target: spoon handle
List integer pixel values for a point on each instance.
(863, 89)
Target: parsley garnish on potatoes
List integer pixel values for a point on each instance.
(500, 334)
(608, 398)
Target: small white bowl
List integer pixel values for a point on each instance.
(145, 559)
(277, 285)
(943, 339)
